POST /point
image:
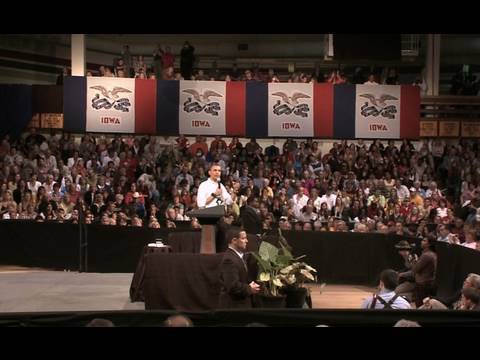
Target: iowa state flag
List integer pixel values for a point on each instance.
(332, 111)
(375, 112)
(249, 109)
(289, 109)
(201, 108)
(111, 105)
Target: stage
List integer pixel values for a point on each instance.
(23, 290)
(38, 298)
(37, 290)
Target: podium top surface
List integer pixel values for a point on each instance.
(214, 212)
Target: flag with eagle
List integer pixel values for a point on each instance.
(202, 107)
(109, 105)
(290, 109)
(239, 108)
(376, 111)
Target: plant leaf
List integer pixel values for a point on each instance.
(268, 251)
(309, 268)
(264, 276)
(264, 264)
(285, 250)
(277, 282)
(287, 269)
(307, 274)
(283, 260)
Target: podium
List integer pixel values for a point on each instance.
(208, 218)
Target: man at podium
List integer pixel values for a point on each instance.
(211, 192)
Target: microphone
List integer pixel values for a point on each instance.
(219, 201)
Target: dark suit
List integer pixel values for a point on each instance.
(88, 197)
(251, 221)
(424, 271)
(235, 279)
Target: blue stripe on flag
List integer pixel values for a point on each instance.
(256, 109)
(74, 103)
(344, 111)
(167, 107)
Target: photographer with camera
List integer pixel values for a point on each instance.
(406, 283)
(423, 271)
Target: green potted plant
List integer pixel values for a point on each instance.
(270, 261)
(294, 277)
(282, 276)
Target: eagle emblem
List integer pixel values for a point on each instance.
(378, 106)
(291, 100)
(202, 102)
(202, 98)
(379, 102)
(291, 104)
(110, 94)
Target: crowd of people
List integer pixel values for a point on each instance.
(164, 67)
(432, 188)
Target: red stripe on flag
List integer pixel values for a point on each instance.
(323, 110)
(145, 106)
(409, 112)
(235, 108)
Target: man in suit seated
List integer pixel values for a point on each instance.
(237, 285)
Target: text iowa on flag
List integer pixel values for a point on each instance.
(110, 105)
(376, 112)
(202, 107)
(290, 109)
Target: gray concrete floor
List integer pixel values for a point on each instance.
(38, 291)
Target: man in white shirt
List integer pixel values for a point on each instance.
(402, 191)
(211, 192)
(329, 198)
(299, 201)
(386, 298)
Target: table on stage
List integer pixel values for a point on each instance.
(136, 287)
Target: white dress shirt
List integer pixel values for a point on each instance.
(208, 187)
(387, 295)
